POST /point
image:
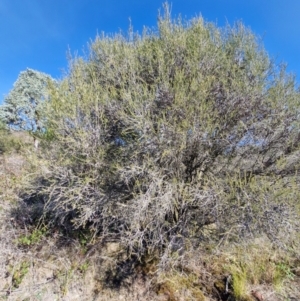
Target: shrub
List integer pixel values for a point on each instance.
(154, 138)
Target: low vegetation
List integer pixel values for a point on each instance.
(167, 170)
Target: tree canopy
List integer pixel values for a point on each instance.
(23, 106)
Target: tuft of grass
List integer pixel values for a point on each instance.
(283, 272)
(176, 285)
(239, 282)
(19, 273)
(257, 264)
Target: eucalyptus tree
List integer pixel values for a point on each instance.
(23, 106)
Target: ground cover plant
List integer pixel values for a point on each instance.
(184, 137)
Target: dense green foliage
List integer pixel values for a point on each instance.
(23, 106)
(183, 134)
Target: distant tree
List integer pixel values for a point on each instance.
(23, 106)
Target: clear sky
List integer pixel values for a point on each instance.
(38, 33)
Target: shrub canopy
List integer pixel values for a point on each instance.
(163, 138)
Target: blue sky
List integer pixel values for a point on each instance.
(38, 33)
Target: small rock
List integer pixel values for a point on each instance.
(257, 295)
